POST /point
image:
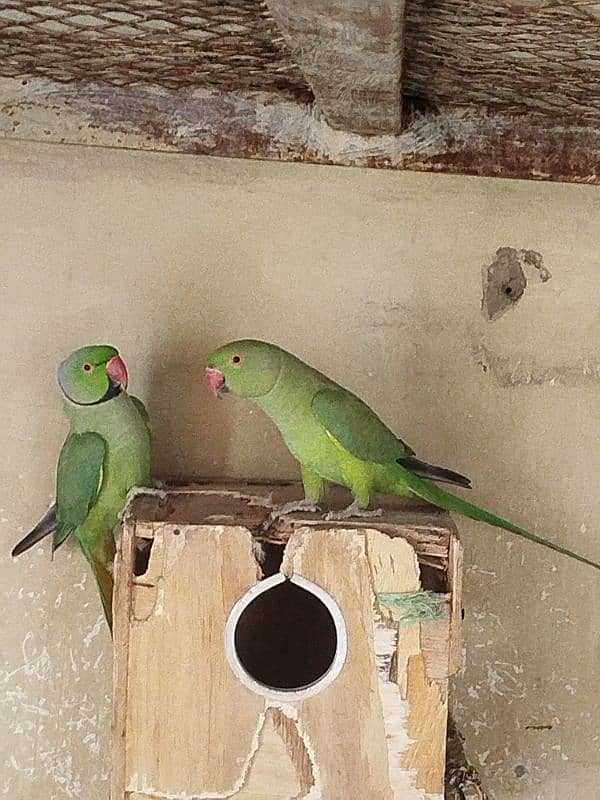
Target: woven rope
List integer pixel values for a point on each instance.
(171, 43)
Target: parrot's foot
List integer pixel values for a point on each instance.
(353, 510)
(139, 491)
(290, 508)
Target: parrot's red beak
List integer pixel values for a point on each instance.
(215, 380)
(117, 371)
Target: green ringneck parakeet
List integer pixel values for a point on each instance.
(336, 437)
(105, 455)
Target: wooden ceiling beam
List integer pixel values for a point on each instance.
(498, 87)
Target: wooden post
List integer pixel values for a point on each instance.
(310, 682)
(350, 54)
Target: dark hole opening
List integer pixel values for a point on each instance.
(272, 558)
(286, 638)
(141, 556)
(433, 578)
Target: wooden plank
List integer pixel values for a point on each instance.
(121, 601)
(351, 56)
(273, 127)
(183, 701)
(427, 529)
(365, 705)
(355, 760)
(509, 89)
(426, 726)
(455, 580)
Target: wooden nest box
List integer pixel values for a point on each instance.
(324, 675)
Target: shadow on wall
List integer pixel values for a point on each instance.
(191, 430)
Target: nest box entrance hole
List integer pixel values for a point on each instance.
(286, 638)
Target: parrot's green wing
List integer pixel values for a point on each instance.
(78, 481)
(143, 413)
(357, 428)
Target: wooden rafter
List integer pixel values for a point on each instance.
(509, 89)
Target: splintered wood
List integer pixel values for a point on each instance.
(186, 727)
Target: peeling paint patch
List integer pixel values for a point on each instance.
(504, 280)
(525, 371)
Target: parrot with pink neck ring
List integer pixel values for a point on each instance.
(104, 457)
(338, 439)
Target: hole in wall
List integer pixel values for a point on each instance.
(504, 283)
(286, 638)
(504, 280)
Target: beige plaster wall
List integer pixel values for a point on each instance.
(374, 277)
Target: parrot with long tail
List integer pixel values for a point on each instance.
(105, 455)
(338, 439)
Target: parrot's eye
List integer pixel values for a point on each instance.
(87, 367)
(236, 360)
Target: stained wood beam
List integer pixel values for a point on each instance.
(267, 126)
(350, 53)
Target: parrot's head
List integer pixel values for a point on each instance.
(92, 375)
(247, 368)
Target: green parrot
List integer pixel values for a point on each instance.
(337, 438)
(105, 455)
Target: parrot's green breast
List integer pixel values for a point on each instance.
(127, 459)
(289, 404)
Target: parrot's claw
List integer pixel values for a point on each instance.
(353, 510)
(289, 508)
(139, 491)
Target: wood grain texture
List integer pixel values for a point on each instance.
(355, 759)
(188, 728)
(351, 56)
(122, 601)
(427, 718)
(426, 528)
(183, 702)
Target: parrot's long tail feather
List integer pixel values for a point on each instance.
(450, 502)
(431, 471)
(98, 561)
(45, 527)
(105, 582)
